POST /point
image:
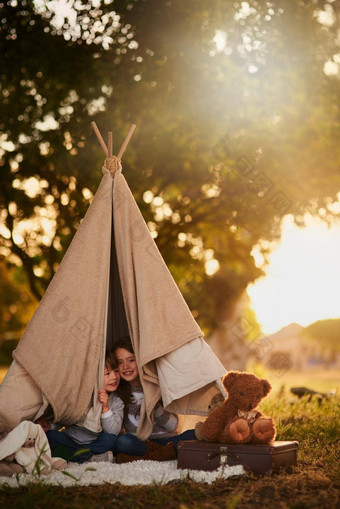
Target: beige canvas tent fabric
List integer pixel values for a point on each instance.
(174, 360)
(62, 346)
(20, 397)
(62, 349)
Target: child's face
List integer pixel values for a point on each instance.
(127, 365)
(111, 379)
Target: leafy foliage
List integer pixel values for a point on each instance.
(16, 306)
(233, 132)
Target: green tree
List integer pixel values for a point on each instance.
(17, 307)
(326, 332)
(231, 136)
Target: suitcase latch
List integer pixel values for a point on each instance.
(223, 455)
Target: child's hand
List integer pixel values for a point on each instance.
(43, 423)
(104, 400)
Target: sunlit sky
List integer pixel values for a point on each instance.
(302, 282)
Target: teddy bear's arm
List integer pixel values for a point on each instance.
(214, 423)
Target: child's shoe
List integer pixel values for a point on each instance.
(105, 456)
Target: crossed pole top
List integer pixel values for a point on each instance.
(108, 149)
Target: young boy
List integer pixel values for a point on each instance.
(78, 444)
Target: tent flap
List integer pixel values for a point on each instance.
(162, 328)
(185, 370)
(63, 343)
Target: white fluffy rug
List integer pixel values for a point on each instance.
(139, 472)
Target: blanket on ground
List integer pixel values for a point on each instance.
(128, 474)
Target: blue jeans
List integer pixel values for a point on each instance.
(63, 446)
(130, 444)
(189, 434)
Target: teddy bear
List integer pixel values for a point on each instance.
(237, 419)
(27, 457)
(28, 444)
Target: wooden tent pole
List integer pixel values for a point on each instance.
(126, 142)
(100, 138)
(109, 145)
(108, 150)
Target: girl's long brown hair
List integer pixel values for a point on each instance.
(124, 389)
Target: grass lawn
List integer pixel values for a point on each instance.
(313, 483)
(317, 379)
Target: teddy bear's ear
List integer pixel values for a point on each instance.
(266, 387)
(230, 378)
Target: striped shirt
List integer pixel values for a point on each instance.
(165, 423)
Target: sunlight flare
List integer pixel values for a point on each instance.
(302, 279)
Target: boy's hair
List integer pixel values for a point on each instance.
(110, 360)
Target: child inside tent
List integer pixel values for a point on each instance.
(78, 444)
(164, 439)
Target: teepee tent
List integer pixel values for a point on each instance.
(112, 282)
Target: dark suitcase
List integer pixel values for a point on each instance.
(257, 458)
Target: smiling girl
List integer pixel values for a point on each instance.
(163, 441)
